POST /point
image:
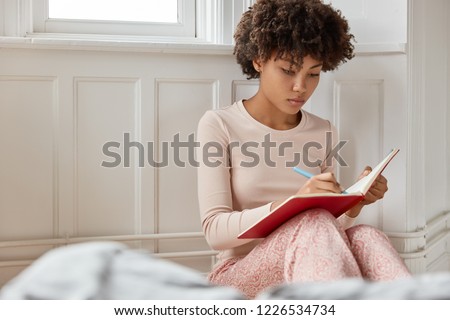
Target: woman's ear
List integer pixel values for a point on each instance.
(257, 65)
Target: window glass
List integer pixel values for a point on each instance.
(158, 11)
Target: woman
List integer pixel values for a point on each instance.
(248, 150)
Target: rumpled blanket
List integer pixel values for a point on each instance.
(109, 270)
(112, 271)
(429, 286)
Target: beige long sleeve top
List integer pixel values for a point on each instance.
(245, 166)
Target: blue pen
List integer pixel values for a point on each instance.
(307, 174)
(303, 173)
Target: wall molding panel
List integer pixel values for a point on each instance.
(179, 103)
(362, 100)
(242, 89)
(104, 110)
(29, 187)
(29, 139)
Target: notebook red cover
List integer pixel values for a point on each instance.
(336, 204)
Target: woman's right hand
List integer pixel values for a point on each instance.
(321, 183)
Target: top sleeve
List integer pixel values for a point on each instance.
(221, 224)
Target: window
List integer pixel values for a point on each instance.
(117, 10)
(115, 17)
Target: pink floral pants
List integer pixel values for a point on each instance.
(312, 247)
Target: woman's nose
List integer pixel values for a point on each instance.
(299, 86)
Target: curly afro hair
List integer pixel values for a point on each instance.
(293, 29)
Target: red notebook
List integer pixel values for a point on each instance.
(335, 203)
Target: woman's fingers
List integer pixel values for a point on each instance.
(376, 191)
(325, 182)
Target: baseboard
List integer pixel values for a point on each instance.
(425, 250)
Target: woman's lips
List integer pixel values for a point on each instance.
(296, 102)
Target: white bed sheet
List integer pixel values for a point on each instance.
(110, 270)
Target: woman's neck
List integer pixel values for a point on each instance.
(270, 116)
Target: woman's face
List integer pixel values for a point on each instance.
(285, 86)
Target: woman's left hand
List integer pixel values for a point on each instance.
(375, 192)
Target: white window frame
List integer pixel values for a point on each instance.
(185, 27)
(215, 21)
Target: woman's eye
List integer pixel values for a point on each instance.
(313, 75)
(289, 72)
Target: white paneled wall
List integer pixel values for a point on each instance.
(366, 100)
(448, 104)
(104, 108)
(427, 189)
(58, 110)
(362, 100)
(28, 171)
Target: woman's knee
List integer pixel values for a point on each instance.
(364, 231)
(306, 223)
(316, 215)
(311, 218)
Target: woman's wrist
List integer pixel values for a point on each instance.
(355, 211)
